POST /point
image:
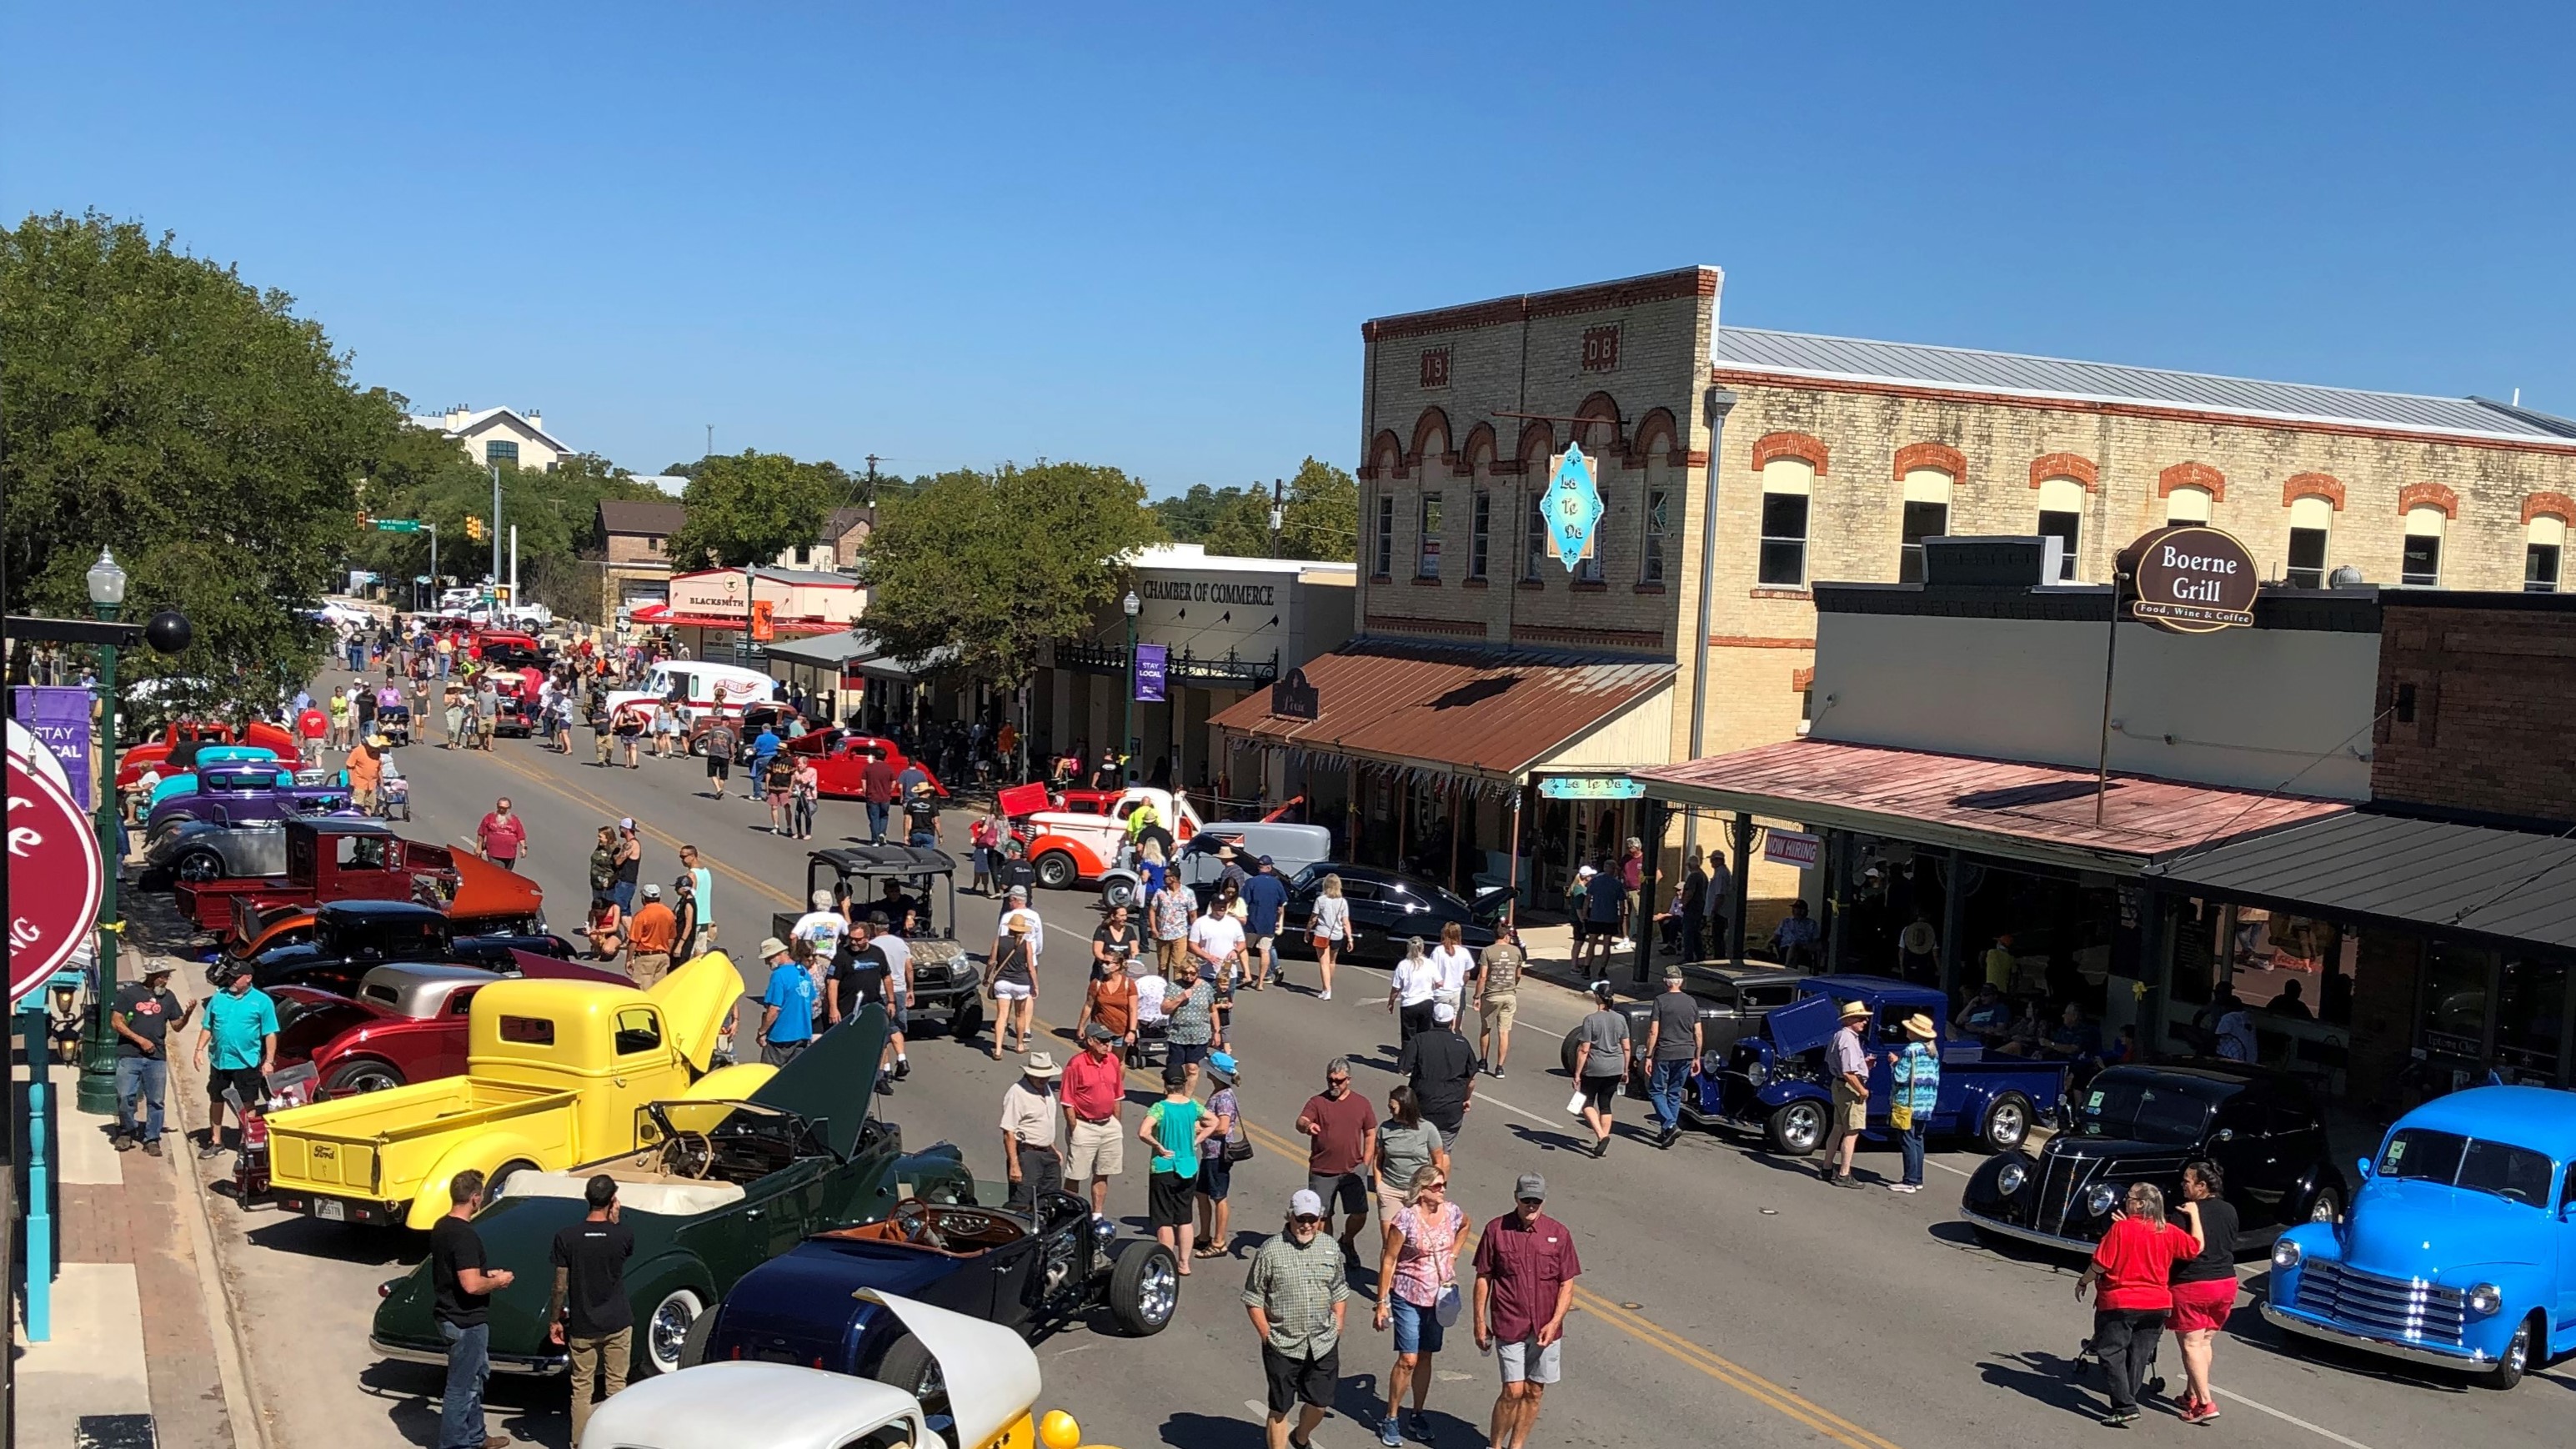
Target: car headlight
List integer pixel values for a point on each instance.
(1756, 1073)
(2101, 1199)
(2286, 1254)
(2485, 1298)
(2010, 1177)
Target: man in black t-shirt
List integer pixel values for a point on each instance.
(141, 1017)
(1673, 1045)
(589, 1314)
(859, 974)
(1442, 1070)
(462, 1291)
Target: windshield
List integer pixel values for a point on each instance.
(2141, 1110)
(2516, 1174)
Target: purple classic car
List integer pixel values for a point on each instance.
(241, 794)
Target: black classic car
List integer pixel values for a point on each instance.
(1732, 1002)
(352, 938)
(2141, 1124)
(1029, 1270)
(1388, 910)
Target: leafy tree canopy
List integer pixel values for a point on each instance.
(745, 507)
(1320, 520)
(425, 476)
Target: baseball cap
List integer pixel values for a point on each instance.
(1097, 1032)
(1443, 1011)
(1305, 1204)
(1265, 860)
(1584, 871)
(652, 892)
(1176, 1075)
(1530, 1188)
(626, 822)
(1017, 893)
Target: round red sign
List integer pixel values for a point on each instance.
(55, 879)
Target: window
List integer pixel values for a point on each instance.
(2187, 505)
(2546, 542)
(2311, 519)
(2420, 567)
(1534, 537)
(1480, 536)
(1786, 484)
(2061, 517)
(501, 450)
(1385, 560)
(1428, 565)
(528, 1030)
(639, 1029)
(1659, 534)
(1927, 515)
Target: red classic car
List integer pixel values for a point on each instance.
(344, 858)
(131, 765)
(406, 1024)
(841, 758)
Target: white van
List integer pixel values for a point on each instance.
(699, 687)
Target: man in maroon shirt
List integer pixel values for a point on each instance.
(878, 783)
(503, 837)
(1525, 1271)
(1344, 1130)
(1095, 1085)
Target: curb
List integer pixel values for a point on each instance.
(232, 1358)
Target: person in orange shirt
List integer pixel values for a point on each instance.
(366, 767)
(649, 938)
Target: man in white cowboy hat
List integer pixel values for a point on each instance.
(1848, 1065)
(1029, 1110)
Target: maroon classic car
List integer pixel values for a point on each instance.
(405, 1024)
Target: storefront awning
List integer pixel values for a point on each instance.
(2502, 883)
(660, 616)
(1474, 712)
(826, 651)
(2041, 813)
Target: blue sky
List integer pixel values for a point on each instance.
(955, 234)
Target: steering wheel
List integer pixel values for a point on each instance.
(911, 1218)
(689, 1154)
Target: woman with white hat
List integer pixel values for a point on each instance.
(1011, 976)
(1914, 1090)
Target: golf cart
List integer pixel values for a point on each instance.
(943, 981)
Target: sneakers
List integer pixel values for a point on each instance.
(125, 1141)
(1498, 1072)
(1846, 1180)
(1905, 1187)
(902, 1068)
(1664, 1139)
(1388, 1434)
(2199, 1413)
(153, 1149)
(209, 1151)
(1418, 1424)
(1323, 996)
(2120, 1418)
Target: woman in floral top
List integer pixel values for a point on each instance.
(1173, 906)
(1191, 1004)
(1418, 1266)
(1915, 1074)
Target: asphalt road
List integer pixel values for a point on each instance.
(1728, 1296)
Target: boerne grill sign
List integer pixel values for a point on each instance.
(2191, 579)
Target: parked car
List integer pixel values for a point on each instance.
(131, 764)
(281, 943)
(1774, 1081)
(209, 850)
(769, 714)
(841, 759)
(2141, 1124)
(252, 764)
(713, 1190)
(943, 981)
(242, 794)
(2459, 1252)
(1388, 909)
(1030, 1271)
(336, 858)
(1732, 1002)
(400, 1023)
(1079, 847)
(1291, 849)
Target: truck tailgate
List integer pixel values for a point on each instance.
(379, 1145)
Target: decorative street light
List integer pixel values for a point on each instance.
(97, 1090)
(1127, 736)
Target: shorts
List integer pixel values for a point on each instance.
(1013, 991)
(1167, 1199)
(1263, 944)
(1099, 1149)
(1295, 1381)
(1851, 1114)
(718, 768)
(1185, 1053)
(1390, 1201)
(1216, 1175)
(246, 1082)
(1601, 1093)
(1346, 1190)
(1498, 1013)
(777, 799)
(1524, 1362)
(1169, 953)
(1417, 1329)
(2198, 1307)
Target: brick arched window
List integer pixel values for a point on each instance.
(2312, 485)
(2192, 475)
(1803, 446)
(2428, 495)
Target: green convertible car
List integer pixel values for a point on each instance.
(716, 1189)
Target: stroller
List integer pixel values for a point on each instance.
(393, 793)
(395, 724)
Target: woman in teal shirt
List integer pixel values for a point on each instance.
(1174, 1127)
(1914, 1084)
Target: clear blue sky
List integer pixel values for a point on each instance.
(954, 235)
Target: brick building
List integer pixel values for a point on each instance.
(635, 538)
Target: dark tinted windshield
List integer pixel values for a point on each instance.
(2141, 1109)
(2514, 1173)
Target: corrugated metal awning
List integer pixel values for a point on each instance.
(2505, 883)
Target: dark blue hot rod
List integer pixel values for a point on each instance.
(1775, 1083)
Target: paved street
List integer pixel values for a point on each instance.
(1728, 1296)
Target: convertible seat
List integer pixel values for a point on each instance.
(655, 1193)
(965, 1231)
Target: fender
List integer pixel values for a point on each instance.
(1973, 1101)
(1086, 864)
(730, 1084)
(483, 1153)
(1774, 1095)
(648, 1283)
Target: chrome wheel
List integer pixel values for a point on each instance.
(2326, 1208)
(199, 865)
(359, 1077)
(667, 1332)
(1799, 1128)
(2007, 1124)
(1159, 1293)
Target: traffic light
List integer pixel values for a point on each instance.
(365, 520)
(473, 529)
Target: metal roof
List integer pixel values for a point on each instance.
(1993, 807)
(630, 515)
(1811, 355)
(1484, 712)
(2433, 873)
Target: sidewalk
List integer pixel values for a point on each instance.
(142, 1350)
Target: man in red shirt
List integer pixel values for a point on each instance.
(2134, 1264)
(1525, 1272)
(502, 835)
(1095, 1086)
(1344, 1151)
(879, 783)
(311, 727)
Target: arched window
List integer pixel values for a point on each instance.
(2061, 516)
(2187, 504)
(2545, 539)
(1787, 483)
(2420, 566)
(2311, 523)
(1927, 515)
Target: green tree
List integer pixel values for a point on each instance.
(745, 507)
(1320, 521)
(1187, 517)
(157, 404)
(1323, 514)
(556, 513)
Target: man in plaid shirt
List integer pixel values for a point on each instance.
(1297, 1293)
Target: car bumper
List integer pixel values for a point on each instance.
(2029, 1235)
(539, 1366)
(2291, 1320)
(342, 1209)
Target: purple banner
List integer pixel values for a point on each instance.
(1152, 663)
(58, 715)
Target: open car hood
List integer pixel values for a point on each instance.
(992, 1372)
(695, 998)
(485, 891)
(832, 1082)
(1803, 1025)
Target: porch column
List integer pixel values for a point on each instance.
(1953, 882)
(1642, 929)
(1742, 831)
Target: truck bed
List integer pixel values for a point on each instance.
(381, 1144)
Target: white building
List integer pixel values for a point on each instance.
(498, 435)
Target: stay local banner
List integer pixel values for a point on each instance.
(58, 716)
(1153, 668)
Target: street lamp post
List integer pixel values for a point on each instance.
(1127, 736)
(97, 1090)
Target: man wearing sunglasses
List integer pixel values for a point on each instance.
(1525, 1271)
(1297, 1294)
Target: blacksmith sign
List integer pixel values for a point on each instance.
(1293, 698)
(2190, 579)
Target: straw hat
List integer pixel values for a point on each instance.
(1016, 923)
(1854, 1008)
(1919, 1027)
(1042, 1066)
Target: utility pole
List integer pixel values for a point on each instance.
(1278, 512)
(514, 565)
(496, 524)
(711, 440)
(872, 477)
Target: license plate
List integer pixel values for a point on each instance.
(324, 1207)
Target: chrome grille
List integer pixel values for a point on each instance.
(2392, 1307)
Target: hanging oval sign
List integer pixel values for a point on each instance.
(1572, 505)
(55, 879)
(2190, 578)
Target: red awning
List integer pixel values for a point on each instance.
(660, 616)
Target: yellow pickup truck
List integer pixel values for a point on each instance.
(556, 1072)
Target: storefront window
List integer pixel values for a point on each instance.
(2531, 1011)
(2454, 1015)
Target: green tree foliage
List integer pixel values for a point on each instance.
(1320, 521)
(745, 507)
(157, 404)
(426, 476)
(1323, 514)
(1001, 564)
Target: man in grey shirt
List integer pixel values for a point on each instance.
(1600, 1064)
(1849, 1067)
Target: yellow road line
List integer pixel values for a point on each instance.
(1776, 1397)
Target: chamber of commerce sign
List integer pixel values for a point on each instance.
(2191, 579)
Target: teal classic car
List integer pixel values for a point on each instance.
(2459, 1252)
(714, 1189)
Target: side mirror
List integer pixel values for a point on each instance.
(2223, 1134)
(2367, 1171)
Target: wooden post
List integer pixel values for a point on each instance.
(1457, 793)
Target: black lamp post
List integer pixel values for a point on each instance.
(1127, 736)
(97, 1092)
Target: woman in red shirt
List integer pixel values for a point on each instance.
(2134, 1266)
